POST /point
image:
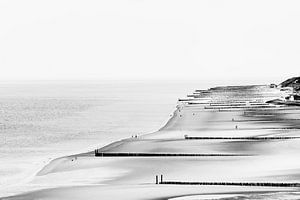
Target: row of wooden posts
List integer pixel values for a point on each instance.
(240, 138)
(261, 184)
(143, 154)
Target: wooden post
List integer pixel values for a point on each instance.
(156, 179)
(161, 178)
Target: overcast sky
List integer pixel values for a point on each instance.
(96, 40)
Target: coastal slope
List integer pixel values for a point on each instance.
(237, 133)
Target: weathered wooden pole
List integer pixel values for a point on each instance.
(161, 178)
(156, 179)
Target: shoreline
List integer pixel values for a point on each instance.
(134, 174)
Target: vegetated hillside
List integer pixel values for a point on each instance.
(292, 82)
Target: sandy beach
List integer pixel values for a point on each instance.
(82, 176)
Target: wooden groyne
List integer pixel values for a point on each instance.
(257, 184)
(131, 154)
(239, 138)
(265, 184)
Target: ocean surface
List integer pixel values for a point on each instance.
(40, 121)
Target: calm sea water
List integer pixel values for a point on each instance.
(40, 121)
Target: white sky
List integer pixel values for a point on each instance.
(95, 40)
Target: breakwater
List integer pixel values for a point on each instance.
(239, 138)
(122, 154)
(261, 184)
